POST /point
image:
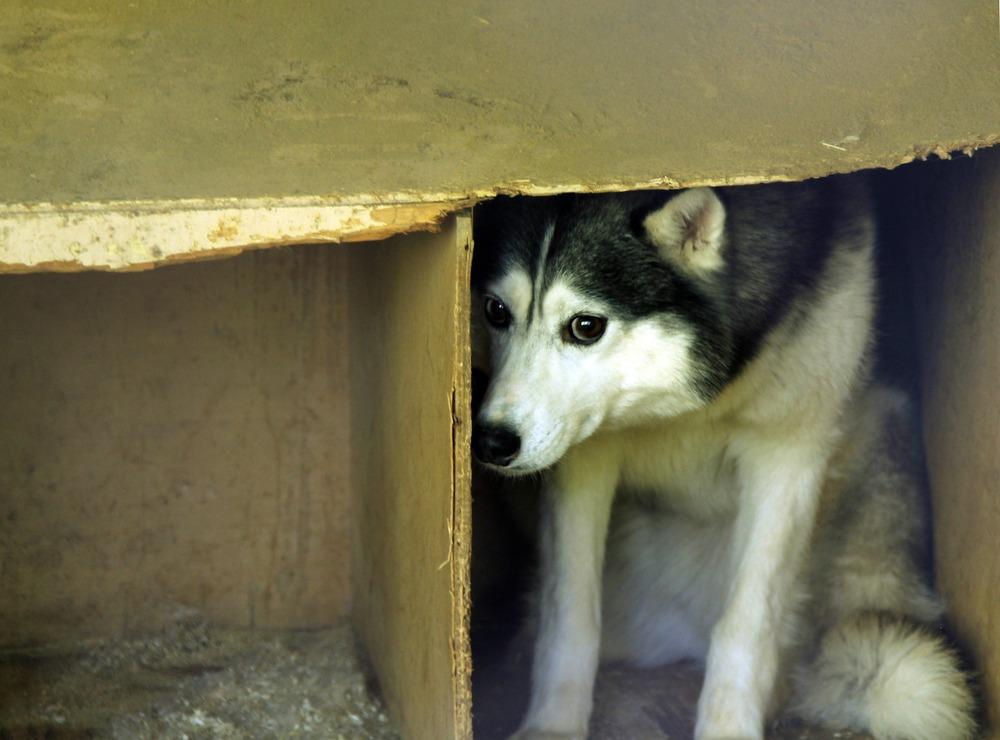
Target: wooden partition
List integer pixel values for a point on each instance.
(409, 358)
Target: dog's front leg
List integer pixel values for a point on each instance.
(780, 482)
(576, 509)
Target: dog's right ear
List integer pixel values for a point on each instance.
(689, 230)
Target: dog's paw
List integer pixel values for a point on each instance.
(546, 735)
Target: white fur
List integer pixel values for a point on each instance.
(573, 539)
(543, 256)
(912, 687)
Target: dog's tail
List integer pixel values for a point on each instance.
(889, 676)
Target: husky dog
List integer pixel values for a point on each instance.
(689, 374)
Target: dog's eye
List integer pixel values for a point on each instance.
(584, 329)
(496, 312)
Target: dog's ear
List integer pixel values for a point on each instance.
(688, 230)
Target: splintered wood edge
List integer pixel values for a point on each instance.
(461, 516)
(141, 236)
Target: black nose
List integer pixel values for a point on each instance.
(495, 444)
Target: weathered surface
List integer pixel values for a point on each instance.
(117, 104)
(139, 236)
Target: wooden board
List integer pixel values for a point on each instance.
(133, 133)
(958, 275)
(141, 235)
(171, 441)
(409, 358)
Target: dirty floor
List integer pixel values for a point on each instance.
(196, 682)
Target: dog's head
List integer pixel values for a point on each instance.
(598, 314)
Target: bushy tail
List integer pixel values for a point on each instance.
(890, 677)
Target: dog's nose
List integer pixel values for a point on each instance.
(495, 444)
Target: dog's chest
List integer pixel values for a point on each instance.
(686, 467)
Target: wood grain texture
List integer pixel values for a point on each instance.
(410, 474)
(174, 440)
(958, 300)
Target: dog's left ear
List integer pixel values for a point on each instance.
(688, 230)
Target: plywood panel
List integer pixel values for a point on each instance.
(409, 406)
(268, 107)
(174, 440)
(121, 100)
(959, 301)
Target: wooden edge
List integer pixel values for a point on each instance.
(92, 237)
(141, 235)
(461, 523)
